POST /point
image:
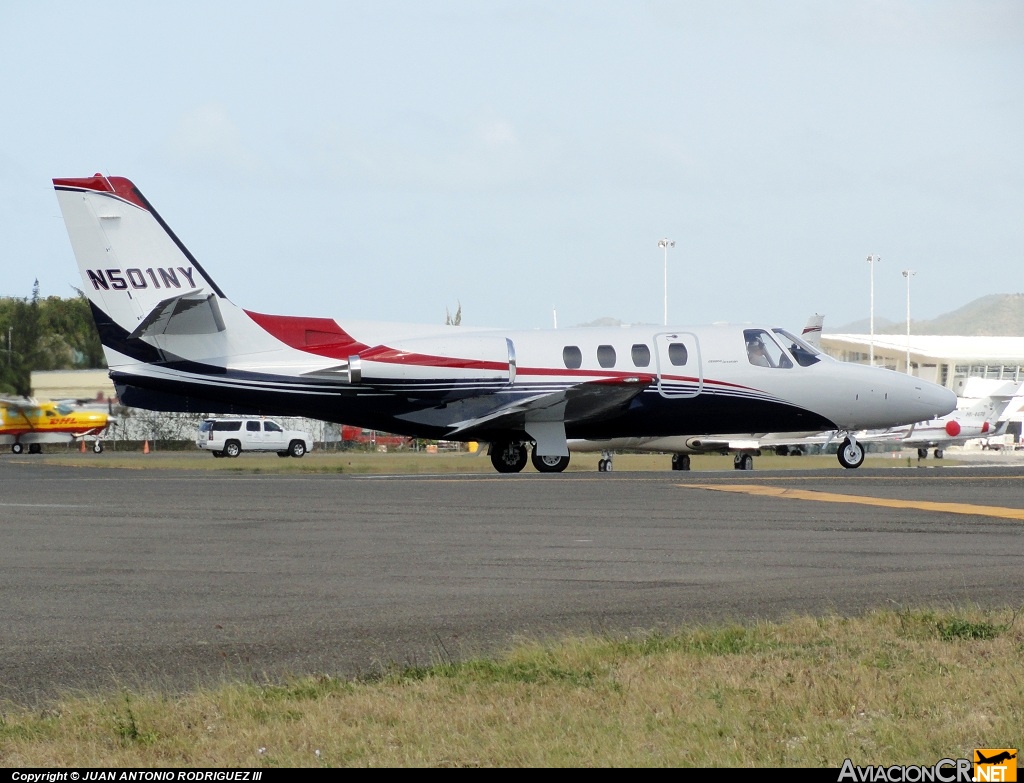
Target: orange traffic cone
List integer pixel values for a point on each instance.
(145, 447)
(83, 447)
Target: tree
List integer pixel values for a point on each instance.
(457, 320)
(45, 334)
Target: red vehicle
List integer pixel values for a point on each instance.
(357, 435)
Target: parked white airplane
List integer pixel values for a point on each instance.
(973, 419)
(175, 342)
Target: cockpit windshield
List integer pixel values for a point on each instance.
(805, 354)
(763, 351)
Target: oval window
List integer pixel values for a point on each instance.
(677, 354)
(641, 355)
(573, 357)
(606, 355)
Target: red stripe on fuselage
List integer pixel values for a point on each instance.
(618, 375)
(394, 356)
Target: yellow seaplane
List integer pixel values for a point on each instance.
(34, 422)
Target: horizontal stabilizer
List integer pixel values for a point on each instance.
(190, 313)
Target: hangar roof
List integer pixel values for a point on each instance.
(976, 349)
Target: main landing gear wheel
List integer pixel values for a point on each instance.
(938, 453)
(605, 463)
(35, 448)
(851, 454)
(548, 464)
(17, 448)
(743, 462)
(922, 453)
(508, 457)
(680, 462)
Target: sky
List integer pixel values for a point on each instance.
(394, 160)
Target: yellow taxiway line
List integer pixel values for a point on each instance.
(831, 497)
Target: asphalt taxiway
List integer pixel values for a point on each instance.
(166, 578)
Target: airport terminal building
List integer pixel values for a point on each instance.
(943, 359)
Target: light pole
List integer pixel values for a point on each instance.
(665, 244)
(908, 273)
(872, 260)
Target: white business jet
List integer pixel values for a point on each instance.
(973, 418)
(175, 342)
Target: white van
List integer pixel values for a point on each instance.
(229, 437)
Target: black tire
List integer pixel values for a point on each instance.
(296, 448)
(677, 462)
(746, 462)
(17, 448)
(97, 448)
(850, 455)
(922, 453)
(938, 453)
(508, 457)
(684, 461)
(232, 448)
(602, 464)
(549, 464)
(35, 448)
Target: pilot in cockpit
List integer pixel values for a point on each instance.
(756, 352)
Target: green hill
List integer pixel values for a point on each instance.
(992, 315)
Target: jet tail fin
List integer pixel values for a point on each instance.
(131, 262)
(812, 331)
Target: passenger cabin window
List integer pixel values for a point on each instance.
(641, 355)
(804, 353)
(252, 426)
(763, 351)
(606, 355)
(677, 354)
(227, 426)
(271, 426)
(573, 357)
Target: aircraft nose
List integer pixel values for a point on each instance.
(938, 400)
(885, 398)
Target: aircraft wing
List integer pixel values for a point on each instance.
(19, 407)
(544, 416)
